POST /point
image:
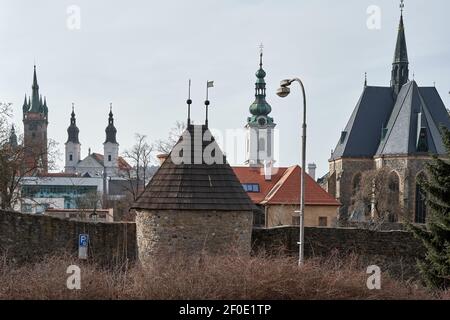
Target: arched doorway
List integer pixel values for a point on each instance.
(420, 203)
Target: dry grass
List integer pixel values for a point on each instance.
(205, 277)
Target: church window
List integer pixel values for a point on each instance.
(394, 196)
(70, 157)
(109, 157)
(421, 208)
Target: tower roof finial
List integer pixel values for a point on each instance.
(365, 79)
(402, 6)
(261, 51)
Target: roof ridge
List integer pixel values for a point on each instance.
(384, 142)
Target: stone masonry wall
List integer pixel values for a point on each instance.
(25, 237)
(393, 250)
(168, 232)
(29, 237)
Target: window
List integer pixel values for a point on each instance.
(262, 144)
(323, 222)
(70, 157)
(421, 208)
(251, 187)
(109, 157)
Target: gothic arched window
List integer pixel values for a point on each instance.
(394, 196)
(421, 208)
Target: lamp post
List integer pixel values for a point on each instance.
(283, 92)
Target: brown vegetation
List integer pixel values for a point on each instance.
(205, 277)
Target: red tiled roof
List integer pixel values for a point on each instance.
(123, 164)
(284, 188)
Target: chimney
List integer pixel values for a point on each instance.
(268, 170)
(312, 170)
(162, 157)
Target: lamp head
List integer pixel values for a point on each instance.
(283, 92)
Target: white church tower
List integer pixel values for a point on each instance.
(111, 148)
(260, 127)
(73, 146)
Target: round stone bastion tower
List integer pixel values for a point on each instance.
(194, 203)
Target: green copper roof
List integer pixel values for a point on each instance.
(260, 108)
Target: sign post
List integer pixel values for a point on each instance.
(83, 242)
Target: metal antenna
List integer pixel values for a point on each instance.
(189, 102)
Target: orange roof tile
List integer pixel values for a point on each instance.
(284, 188)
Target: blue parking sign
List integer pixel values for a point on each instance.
(83, 240)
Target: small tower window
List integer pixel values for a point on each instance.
(109, 158)
(70, 157)
(262, 144)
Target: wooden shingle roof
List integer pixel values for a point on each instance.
(194, 177)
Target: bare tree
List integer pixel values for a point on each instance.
(89, 203)
(376, 195)
(140, 160)
(165, 146)
(14, 167)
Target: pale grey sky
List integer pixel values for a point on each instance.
(139, 55)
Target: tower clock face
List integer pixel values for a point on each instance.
(262, 121)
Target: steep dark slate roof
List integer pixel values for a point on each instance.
(362, 134)
(193, 184)
(417, 109)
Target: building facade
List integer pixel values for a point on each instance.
(396, 128)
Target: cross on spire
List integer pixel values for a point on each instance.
(402, 6)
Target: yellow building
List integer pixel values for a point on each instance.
(278, 197)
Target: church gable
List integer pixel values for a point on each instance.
(89, 162)
(412, 129)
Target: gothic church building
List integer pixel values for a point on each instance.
(395, 127)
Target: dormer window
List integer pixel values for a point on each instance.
(343, 136)
(251, 187)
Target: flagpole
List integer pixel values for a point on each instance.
(189, 102)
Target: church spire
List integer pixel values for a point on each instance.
(260, 109)
(35, 98)
(73, 130)
(110, 130)
(13, 138)
(400, 65)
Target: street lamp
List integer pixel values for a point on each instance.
(283, 92)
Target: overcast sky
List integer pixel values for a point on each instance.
(139, 55)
